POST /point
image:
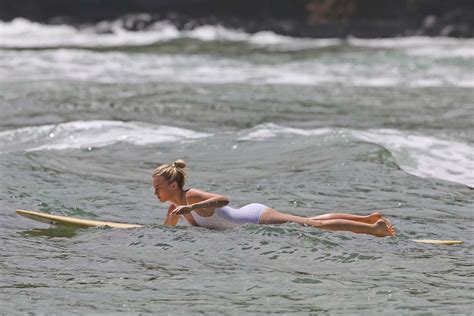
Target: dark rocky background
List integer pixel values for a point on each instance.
(301, 18)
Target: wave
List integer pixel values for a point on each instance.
(269, 130)
(434, 47)
(121, 67)
(417, 154)
(91, 134)
(68, 53)
(21, 33)
(426, 156)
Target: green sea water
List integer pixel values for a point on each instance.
(305, 126)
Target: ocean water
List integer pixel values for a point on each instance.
(305, 126)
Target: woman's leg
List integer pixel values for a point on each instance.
(379, 228)
(370, 219)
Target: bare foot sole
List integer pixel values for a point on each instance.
(382, 229)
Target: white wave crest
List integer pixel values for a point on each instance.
(434, 47)
(120, 67)
(393, 62)
(420, 155)
(426, 156)
(91, 134)
(270, 130)
(21, 33)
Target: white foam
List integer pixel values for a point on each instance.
(343, 67)
(92, 134)
(434, 47)
(448, 51)
(420, 155)
(406, 42)
(21, 33)
(270, 130)
(215, 33)
(120, 67)
(426, 156)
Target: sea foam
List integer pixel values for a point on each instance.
(71, 53)
(420, 155)
(92, 134)
(21, 33)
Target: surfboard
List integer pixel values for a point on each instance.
(85, 223)
(71, 221)
(438, 242)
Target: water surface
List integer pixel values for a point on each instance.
(306, 126)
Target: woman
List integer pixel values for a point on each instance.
(210, 210)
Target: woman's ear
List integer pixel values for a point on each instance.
(174, 185)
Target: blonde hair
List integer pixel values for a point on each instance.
(172, 173)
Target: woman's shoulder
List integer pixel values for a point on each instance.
(197, 194)
(193, 192)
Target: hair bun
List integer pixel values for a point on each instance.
(180, 164)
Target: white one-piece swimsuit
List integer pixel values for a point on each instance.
(227, 217)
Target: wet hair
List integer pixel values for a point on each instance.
(172, 173)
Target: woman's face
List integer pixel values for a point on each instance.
(163, 189)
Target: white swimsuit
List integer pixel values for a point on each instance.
(227, 217)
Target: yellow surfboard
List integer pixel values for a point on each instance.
(438, 242)
(84, 223)
(71, 221)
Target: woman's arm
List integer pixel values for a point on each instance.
(171, 219)
(212, 201)
(201, 200)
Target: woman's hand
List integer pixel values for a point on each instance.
(180, 210)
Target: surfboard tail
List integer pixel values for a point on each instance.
(438, 242)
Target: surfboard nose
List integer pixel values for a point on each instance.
(71, 221)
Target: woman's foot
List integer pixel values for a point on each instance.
(383, 229)
(373, 218)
